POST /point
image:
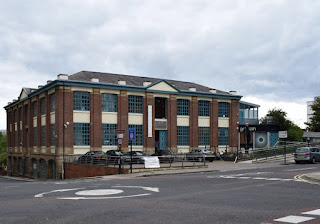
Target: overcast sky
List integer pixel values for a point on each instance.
(268, 51)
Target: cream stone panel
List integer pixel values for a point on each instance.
(184, 97)
(135, 118)
(222, 148)
(112, 91)
(223, 122)
(52, 117)
(161, 95)
(53, 149)
(80, 149)
(35, 149)
(53, 90)
(204, 98)
(23, 94)
(183, 120)
(20, 125)
(10, 127)
(43, 120)
(35, 123)
(109, 117)
(222, 100)
(84, 89)
(109, 147)
(136, 93)
(15, 126)
(137, 148)
(42, 95)
(81, 116)
(162, 86)
(43, 149)
(183, 149)
(204, 121)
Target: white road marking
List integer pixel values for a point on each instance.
(311, 168)
(61, 190)
(314, 212)
(293, 219)
(99, 192)
(154, 189)
(118, 197)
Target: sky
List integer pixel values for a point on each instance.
(267, 50)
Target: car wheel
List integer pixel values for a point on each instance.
(313, 160)
(210, 160)
(200, 159)
(297, 162)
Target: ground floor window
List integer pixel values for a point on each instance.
(223, 136)
(81, 133)
(204, 136)
(108, 135)
(139, 134)
(183, 135)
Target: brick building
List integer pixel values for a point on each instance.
(78, 113)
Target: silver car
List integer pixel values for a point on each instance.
(307, 154)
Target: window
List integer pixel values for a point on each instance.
(15, 116)
(139, 134)
(20, 113)
(109, 102)
(108, 135)
(35, 136)
(135, 104)
(204, 136)
(183, 135)
(43, 135)
(42, 106)
(16, 139)
(52, 103)
(52, 135)
(223, 136)
(35, 108)
(81, 132)
(204, 108)
(81, 101)
(223, 109)
(182, 107)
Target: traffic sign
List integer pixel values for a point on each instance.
(119, 131)
(120, 141)
(283, 134)
(132, 134)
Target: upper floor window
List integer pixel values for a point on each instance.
(15, 116)
(204, 108)
(35, 108)
(52, 103)
(81, 100)
(182, 107)
(223, 109)
(135, 104)
(42, 106)
(109, 102)
(53, 136)
(43, 135)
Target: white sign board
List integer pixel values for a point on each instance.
(283, 134)
(150, 121)
(120, 135)
(151, 162)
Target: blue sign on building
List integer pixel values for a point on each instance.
(132, 134)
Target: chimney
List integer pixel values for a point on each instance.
(192, 89)
(94, 80)
(213, 91)
(40, 86)
(49, 81)
(63, 77)
(232, 92)
(122, 82)
(146, 83)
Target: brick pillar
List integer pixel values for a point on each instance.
(233, 125)
(19, 118)
(38, 124)
(31, 125)
(148, 142)
(193, 123)
(68, 117)
(96, 120)
(214, 125)
(59, 119)
(172, 122)
(24, 123)
(123, 116)
(48, 123)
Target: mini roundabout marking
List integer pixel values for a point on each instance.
(98, 194)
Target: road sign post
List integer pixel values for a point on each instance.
(132, 136)
(284, 135)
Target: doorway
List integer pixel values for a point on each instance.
(161, 139)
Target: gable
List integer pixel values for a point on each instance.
(23, 94)
(163, 86)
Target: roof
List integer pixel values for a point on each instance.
(138, 81)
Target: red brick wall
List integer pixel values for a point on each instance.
(80, 170)
(233, 123)
(214, 124)
(148, 142)
(96, 120)
(172, 122)
(123, 116)
(193, 123)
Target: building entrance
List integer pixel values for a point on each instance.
(161, 139)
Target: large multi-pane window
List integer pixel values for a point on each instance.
(204, 108)
(15, 116)
(183, 107)
(223, 136)
(43, 135)
(183, 135)
(81, 132)
(42, 106)
(52, 135)
(108, 135)
(35, 108)
(204, 136)
(52, 103)
(81, 100)
(16, 139)
(139, 134)
(223, 109)
(135, 104)
(109, 102)
(35, 136)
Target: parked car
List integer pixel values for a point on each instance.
(164, 155)
(200, 154)
(137, 157)
(113, 155)
(93, 157)
(307, 154)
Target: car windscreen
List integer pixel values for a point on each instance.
(302, 150)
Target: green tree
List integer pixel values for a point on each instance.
(279, 117)
(3, 149)
(314, 124)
